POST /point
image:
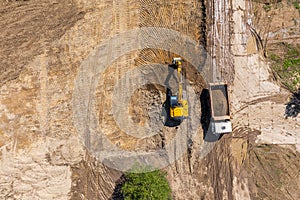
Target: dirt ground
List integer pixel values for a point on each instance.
(44, 45)
(28, 29)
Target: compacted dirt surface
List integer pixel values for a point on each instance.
(70, 128)
(28, 27)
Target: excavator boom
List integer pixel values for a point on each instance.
(179, 105)
(179, 82)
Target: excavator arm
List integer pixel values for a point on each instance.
(179, 69)
(179, 105)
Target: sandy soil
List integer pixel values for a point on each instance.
(43, 154)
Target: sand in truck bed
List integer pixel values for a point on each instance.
(219, 100)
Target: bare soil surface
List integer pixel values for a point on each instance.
(28, 28)
(43, 46)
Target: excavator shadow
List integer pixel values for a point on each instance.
(168, 121)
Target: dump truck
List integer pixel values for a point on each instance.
(220, 111)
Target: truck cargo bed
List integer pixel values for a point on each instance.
(219, 101)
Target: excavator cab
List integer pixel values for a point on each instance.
(173, 101)
(178, 104)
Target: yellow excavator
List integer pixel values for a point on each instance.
(179, 108)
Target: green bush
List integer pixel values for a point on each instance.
(146, 186)
(296, 5)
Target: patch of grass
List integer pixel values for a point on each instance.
(274, 57)
(293, 52)
(296, 5)
(285, 61)
(267, 7)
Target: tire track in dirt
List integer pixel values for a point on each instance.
(219, 18)
(27, 29)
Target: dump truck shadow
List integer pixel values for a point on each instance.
(208, 135)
